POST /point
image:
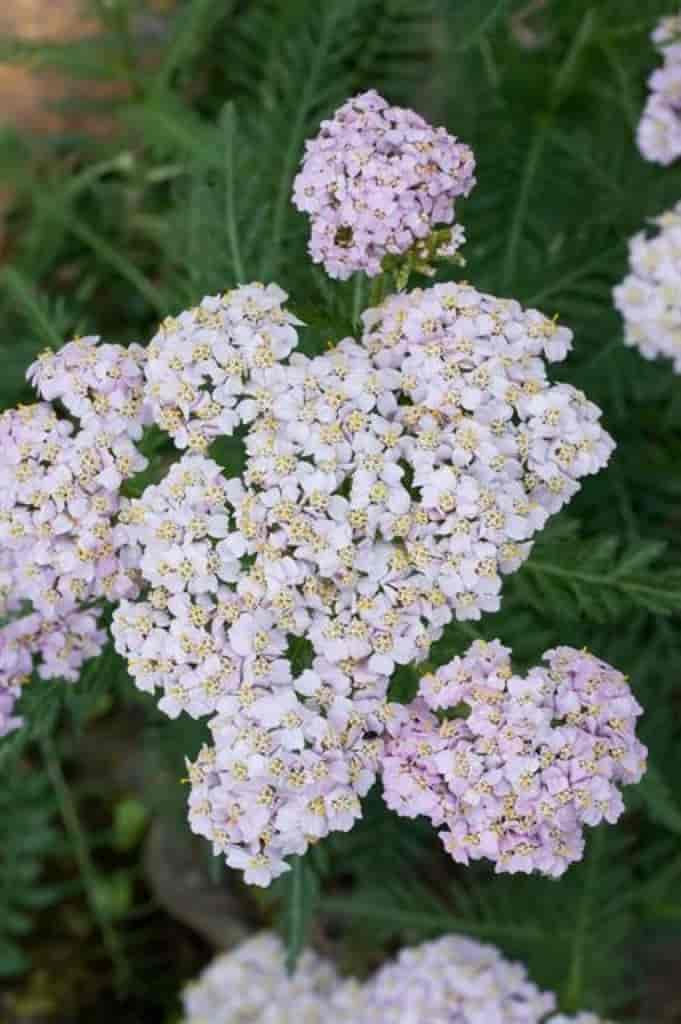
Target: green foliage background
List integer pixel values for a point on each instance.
(188, 194)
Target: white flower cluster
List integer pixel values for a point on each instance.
(250, 985)
(58, 496)
(452, 980)
(388, 485)
(292, 756)
(649, 297)
(659, 130)
(205, 368)
(101, 385)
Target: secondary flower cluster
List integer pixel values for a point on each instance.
(59, 495)
(378, 180)
(659, 131)
(250, 985)
(452, 980)
(518, 765)
(649, 298)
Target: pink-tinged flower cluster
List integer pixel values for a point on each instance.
(659, 130)
(250, 985)
(101, 385)
(55, 648)
(59, 492)
(518, 765)
(649, 297)
(206, 367)
(453, 980)
(288, 766)
(378, 180)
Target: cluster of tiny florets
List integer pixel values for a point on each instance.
(649, 298)
(451, 980)
(292, 755)
(378, 180)
(492, 446)
(56, 648)
(59, 492)
(388, 485)
(250, 985)
(206, 367)
(518, 765)
(659, 130)
(59, 497)
(101, 385)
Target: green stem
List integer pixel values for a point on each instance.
(88, 872)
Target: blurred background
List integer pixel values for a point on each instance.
(146, 159)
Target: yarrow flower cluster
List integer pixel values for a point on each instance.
(292, 755)
(101, 385)
(649, 297)
(387, 487)
(250, 985)
(59, 496)
(378, 180)
(518, 765)
(206, 367)
(389, 484)
(59, 492)
(56, 648)
(659, 130)
(452, 980)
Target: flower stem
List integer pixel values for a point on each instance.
(81, 850)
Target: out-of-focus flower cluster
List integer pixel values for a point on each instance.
(377, 180)
(649, 298)
(581, 1018)
(452, 980)
(518, 765)
(659, 130)
(59, 496)
(250, 985)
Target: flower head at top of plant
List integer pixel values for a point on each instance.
(379, 181)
